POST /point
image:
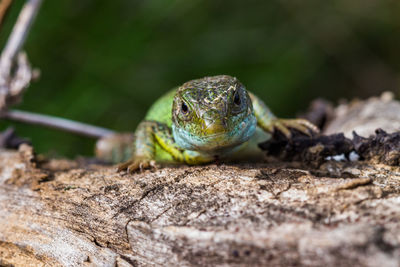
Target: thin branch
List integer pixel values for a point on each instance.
(19, 33)
(14, 79)
(9, 94)
(57, 123)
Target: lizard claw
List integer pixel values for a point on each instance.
(137, 164)
(302, 125)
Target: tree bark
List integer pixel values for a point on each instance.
(78, 213)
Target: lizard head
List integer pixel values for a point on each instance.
(212, 113)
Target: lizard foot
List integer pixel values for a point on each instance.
(137, 164)
(304, 126)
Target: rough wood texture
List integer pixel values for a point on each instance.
(365, 117)
(74, 213)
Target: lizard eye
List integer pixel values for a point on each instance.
(236, 99)
(184, 108)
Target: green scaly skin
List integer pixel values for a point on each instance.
(204, 120)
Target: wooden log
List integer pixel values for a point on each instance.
(76, 213)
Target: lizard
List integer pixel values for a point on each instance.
(204, 120)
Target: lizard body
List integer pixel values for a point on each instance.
(204, 120)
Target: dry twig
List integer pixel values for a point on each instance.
(16, 75)
(57, 123)
(13, 83)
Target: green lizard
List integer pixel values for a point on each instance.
(204, 120)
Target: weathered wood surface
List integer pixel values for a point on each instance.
(73, 213)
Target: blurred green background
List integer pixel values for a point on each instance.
(104, 62)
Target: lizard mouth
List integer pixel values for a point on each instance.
(214, 135)
(216, 141)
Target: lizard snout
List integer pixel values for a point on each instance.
(214, 123)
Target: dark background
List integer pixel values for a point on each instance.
(104, 62)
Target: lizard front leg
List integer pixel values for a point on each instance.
(269, 122)
(147, 135)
